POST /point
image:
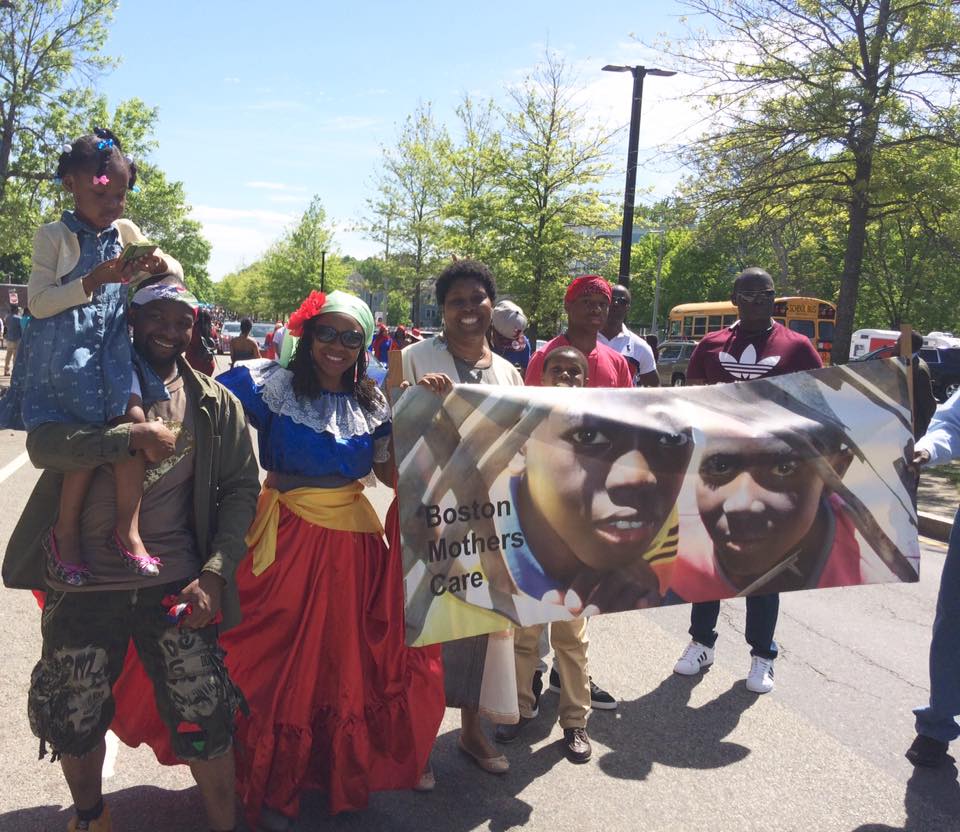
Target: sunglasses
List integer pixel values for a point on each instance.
(350, 338)
(619, 300)
(753, 297)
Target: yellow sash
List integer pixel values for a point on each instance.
(343, 509)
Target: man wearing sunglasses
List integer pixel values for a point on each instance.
(631, 346)
(755, 346)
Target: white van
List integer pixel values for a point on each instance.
(868, 340)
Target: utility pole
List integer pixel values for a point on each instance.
(626, 234)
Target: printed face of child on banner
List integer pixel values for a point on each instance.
(526, 505)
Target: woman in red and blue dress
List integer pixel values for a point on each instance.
(337, 701)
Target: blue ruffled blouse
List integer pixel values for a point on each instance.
(330, 435)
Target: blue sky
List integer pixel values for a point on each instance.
(264, 105)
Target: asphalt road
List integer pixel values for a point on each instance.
(824, 751)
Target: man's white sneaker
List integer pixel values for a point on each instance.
(695, 658)
(760, 677)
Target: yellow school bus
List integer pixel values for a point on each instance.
(812, 317)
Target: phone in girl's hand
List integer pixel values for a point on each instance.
(134, 251)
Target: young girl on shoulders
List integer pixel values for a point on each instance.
(77, 364)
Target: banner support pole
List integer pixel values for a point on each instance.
(906, 353)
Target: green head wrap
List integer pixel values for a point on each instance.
(335, 301)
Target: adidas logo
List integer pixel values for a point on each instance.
(747, 366)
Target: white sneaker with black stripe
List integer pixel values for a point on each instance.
(760, 677)
(695, 658)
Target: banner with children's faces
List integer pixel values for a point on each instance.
(524, 505)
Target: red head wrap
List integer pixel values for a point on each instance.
(588, 284)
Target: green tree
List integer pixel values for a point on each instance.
(244, 293)
(911, 270)
(406, 213)
(293, 264)
(550, 207)
(47, 50)
(159, 207)
(475, 164)
(817, 92)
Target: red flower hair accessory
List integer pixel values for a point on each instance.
(310, 308)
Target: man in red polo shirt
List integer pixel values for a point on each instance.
(754, 347)
(587, 303)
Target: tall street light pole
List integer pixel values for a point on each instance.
(626, 235)
(323, 270)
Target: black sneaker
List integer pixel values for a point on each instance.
(576, 745)
(599, 698)
(927, 752)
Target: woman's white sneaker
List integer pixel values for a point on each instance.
(695, 658)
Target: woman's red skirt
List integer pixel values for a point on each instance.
(337, 701)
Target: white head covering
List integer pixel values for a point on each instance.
(508, 319)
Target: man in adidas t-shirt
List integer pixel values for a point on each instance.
(754, 347)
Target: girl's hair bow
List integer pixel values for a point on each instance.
(104, 144)
(101, 180)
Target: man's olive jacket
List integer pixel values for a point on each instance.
(226, 482)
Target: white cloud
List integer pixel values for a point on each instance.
(233, 247)
(357, 244)
(231, 79)
(212, 213)
(668, 117)
(274, 186)
(288, 198)
(239, 235)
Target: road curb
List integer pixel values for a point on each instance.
(934, 525)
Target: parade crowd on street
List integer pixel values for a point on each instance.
(267, 619)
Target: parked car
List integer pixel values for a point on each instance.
(229, 331)
(259, 334)
(673, 361)
(944, 364)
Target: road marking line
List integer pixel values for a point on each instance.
(12, 467)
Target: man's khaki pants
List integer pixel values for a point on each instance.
(11, 358)
(569, 641)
